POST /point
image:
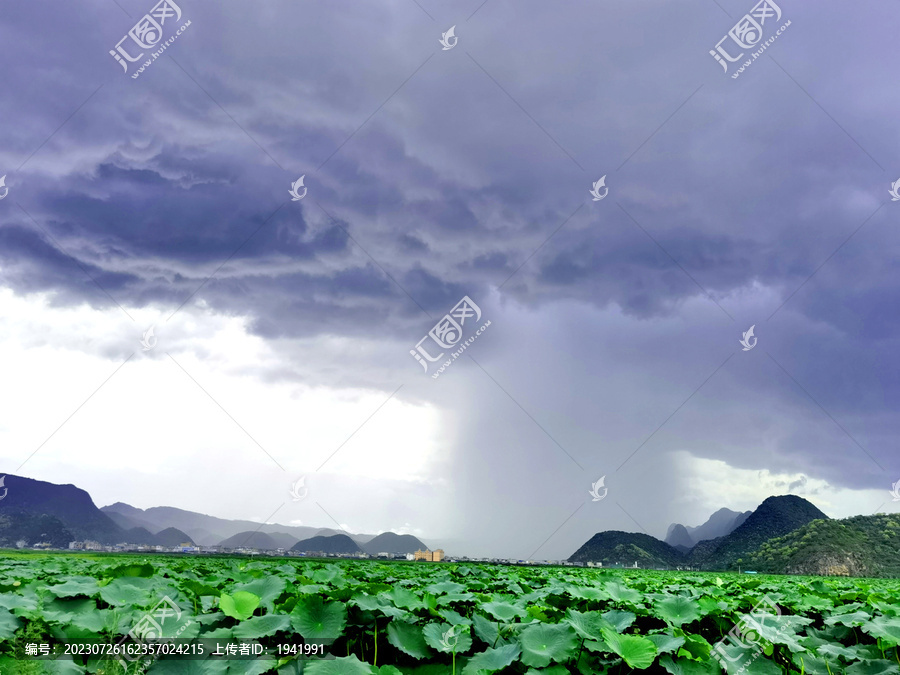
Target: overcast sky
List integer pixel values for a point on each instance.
(282, 329)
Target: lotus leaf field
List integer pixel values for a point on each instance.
(447, 618)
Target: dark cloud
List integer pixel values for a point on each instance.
(434, 175)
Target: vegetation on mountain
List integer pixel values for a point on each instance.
(27, 529)
(775, 517)
(389, 542)
(336, 543)
(252, 539)
(172, 537)
(70, 505)
(626, 548)
(859, 546)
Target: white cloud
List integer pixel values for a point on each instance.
(151, 436)
(710, 484)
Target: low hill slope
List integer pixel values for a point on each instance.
(172, 537)
(389, 542)
(72, 506)
(336, 543)
(29, 529)
(625, 548)
(250, 539)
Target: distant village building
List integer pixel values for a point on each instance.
(431, 556)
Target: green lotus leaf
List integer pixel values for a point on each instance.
(638, 652)
(130, 590)
(588, 625)
(267, 589)
(408, 639)
(262, 626)
(688, 666)
(239, 606)
(619, 593)
(492, 660)
(317, 619)
(448, 638)
(9, 624)
(75, 585)
(873, 667)
(677, 610)
(619, 619)
(666, 643)
(886, 628)
(504, 611)
(542, 643)
(486, 630)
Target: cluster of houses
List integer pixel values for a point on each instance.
(427, 555)
(188, 547)
(89, 545)
(514, 561)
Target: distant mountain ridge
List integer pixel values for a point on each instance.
(205, 530)
(774, 517)
(679, 538)
(212, 531)
(35, 511)
(723, 522)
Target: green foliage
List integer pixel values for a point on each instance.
(238, 606)
(458, 619)
(858, 546)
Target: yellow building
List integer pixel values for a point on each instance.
(430, 556)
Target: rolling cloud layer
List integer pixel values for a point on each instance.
(434, 174)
